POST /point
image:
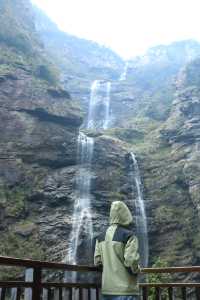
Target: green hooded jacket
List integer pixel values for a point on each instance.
(117, 251)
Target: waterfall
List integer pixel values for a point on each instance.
(82, 217)
(99, 106)
(141, 220)
(82, 227)
(124, 74)
(107, 106)
(92, 105)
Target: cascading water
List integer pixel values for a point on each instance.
(99, 107)
(82, 217)
(92, 105)
(107, 106)
(124, 74)
(98, 118)
(141, 220)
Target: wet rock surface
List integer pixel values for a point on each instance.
(37, 158)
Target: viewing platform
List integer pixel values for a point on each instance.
(89, 291)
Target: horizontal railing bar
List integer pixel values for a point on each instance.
(171, 270)
(10, 284)
(70, 285)
(182, 284)
(9, 261)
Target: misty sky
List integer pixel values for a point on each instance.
(127, 26)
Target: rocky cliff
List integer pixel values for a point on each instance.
(38, 130)
(38, 147)
(44, 93)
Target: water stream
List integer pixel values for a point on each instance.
(82, 227)
(141, 220)
(99, 106)
(124, 73)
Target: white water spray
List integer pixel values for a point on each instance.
(124, 74)
(99, 106)
(107, 106)
(82, 217)
(82, 227)
(92, 105)
(141, 220)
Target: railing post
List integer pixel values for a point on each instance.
(18, 293)
(197, 291)
(3, 293)
(158, 293)
(37, 283)
(60, 293)
(170, 293)
(144, 293)
(80, 294)
(97, 293)
(184, 294)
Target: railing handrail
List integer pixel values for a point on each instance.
(170, 284)
(10, 284)
(28, 263)
(190, 269)
(37, 285)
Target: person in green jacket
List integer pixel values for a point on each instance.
(117, 251)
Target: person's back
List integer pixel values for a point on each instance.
(117, 251)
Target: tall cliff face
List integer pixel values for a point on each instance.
(181, 130)
(38, 130)
(154, 113)
(169, 161)
(17, 25)
(80, 61)
(77, 57)
(150, 83)
(38, 146)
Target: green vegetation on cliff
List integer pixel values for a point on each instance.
(20, 46)
(14, 245)
(40, 127)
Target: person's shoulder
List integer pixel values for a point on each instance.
(101, 236)
(122, 234)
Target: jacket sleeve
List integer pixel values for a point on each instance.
(97, 255)
(131, 255)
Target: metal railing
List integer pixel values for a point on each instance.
(170, 291)
(63, 290)
(90, 291)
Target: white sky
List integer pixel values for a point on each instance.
(127, 26)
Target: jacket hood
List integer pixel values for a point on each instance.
(120, 214)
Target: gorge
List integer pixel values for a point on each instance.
(146, 115)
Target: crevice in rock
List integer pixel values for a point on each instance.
(44, 116)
